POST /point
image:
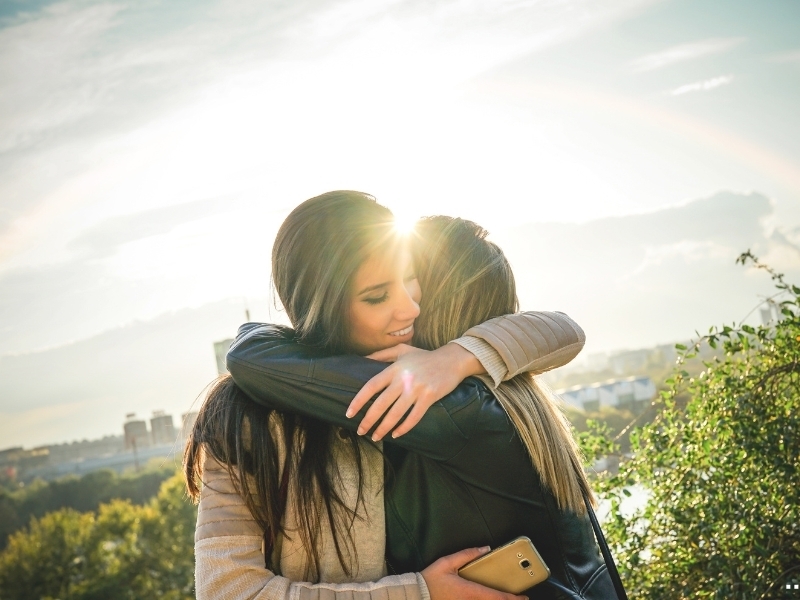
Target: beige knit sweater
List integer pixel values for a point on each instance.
(228, 542)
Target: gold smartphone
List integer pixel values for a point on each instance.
(512, 568)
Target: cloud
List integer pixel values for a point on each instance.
(52, 75)
(138, 266)
(703, 86)
(684, 52)
(91, 91)
(104, 238)
(69, 63)
(637, 280)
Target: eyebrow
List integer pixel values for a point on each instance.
(373, 287)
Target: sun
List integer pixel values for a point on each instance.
(404, 222)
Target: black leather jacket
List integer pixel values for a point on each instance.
(460, 478)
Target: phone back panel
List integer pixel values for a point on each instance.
(502, 568)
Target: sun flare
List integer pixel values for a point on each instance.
(404, 223)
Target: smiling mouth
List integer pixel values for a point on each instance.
(402, 332)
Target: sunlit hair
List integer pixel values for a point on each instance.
(467, 280)
(317, 252)
(316, 255)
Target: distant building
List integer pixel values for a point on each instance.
(188, 423)
(14, 461)
(220, 350)
(631, 393)
(10, 455)
(136, 434)
(162, 429)
(83, 449)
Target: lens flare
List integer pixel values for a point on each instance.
(404, 223)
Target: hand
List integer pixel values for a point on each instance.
(416, 380)
(445, 584)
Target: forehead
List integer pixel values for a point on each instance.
(381, 267)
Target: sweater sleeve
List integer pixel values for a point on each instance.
(229, 562)
(535, 341)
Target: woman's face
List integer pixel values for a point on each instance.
(384, 303)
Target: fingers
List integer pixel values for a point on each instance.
(412, 419)
(444, 582)
(380, 406)
(459, 559)
(396, 412)
(372, 387)
(477, 591)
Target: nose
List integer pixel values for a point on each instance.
(408, 304)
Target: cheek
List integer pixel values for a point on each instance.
(366, 321)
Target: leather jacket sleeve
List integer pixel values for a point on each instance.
(274, 370)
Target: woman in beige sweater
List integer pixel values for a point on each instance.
(341, 546)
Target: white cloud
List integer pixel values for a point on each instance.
(637, 280)
(684, 52)
(50, 76)
(684, 251)
(703, 86)
(112, 108)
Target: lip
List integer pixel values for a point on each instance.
(403, 332)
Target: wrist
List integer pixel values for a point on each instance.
(465, 362)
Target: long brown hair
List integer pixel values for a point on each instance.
(467, 280)
(316, 254)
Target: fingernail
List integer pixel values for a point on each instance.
(361, 431)
(395, 435)
(375, 438)
(485, 549)
(349, 413)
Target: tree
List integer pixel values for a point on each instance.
(83, 494)
(121, 551)
(721, 468)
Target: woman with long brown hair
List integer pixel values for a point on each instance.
(314, 493)
(481, 466)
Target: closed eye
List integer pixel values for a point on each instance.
(377, 300)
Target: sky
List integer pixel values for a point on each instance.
(622, 152)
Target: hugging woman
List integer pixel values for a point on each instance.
(314, 490)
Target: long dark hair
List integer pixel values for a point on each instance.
(316, 254)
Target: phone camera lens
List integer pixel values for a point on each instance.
(525, 563)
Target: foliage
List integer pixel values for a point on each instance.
(722, 519)
(608, 422)
(83, 494)
(120, 551)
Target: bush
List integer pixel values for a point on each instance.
(83, 494)
(121, 551)
(723, 515)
